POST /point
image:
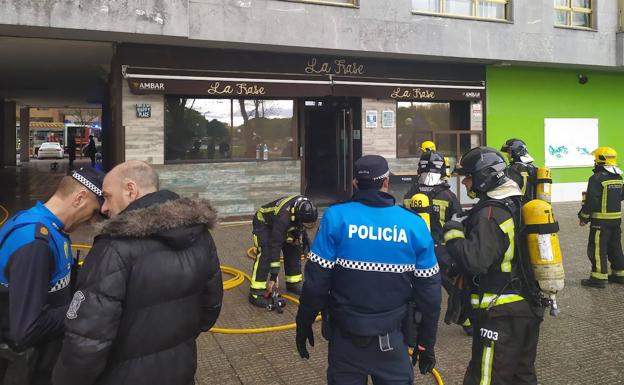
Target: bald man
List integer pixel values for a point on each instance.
(149, 286)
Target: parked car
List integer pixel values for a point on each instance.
(50, 150)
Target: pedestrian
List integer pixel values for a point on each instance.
(90, 150)
(485, 247)
(35, 272)
(521, 169)
(71, 151)
(278, 227)
(150, 285)
(602, 208)
(373, 272)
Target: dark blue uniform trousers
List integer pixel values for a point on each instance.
(351, 365)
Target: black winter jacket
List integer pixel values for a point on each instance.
(149, 286)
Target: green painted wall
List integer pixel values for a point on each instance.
(519, 98)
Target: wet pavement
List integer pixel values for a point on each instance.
(583, 345)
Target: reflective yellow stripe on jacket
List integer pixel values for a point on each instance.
(508, 228)
(489, 297)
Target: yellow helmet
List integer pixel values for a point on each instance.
(605, 156)
(427, 145)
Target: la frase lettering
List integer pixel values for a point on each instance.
(384, 234)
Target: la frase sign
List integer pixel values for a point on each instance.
(144, 110)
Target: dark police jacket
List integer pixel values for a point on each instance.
(603, 202)
(369, 258)
(35, 267)
(444, 205)
(149, 286)
(525, 175)
(487, 251)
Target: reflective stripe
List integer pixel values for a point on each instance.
(258, 285)
(614, 215)
(486, 364)
(600, 276)
(597, 255)
(275, 264)
(489, 297)
(452, 234)
(443, 205)
(618, 273)
(294, 278)
(583, 215)
(605, 194)
(256, 263)
(275, 209)
(525, 176)
(508, 228)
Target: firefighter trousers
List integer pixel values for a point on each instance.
(262, 266)
(604, 247)
(503, 350)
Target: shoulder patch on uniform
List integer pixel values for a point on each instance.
(72, 312)
(42, 232)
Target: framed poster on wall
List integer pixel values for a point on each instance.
(371, 118)
(569, 142)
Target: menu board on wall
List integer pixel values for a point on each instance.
(569, 142)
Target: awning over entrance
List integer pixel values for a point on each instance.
(172, 82)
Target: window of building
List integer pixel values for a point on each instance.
(347, 3)
(573, 13)
(416, 122)
(228, 129)
(483, 9)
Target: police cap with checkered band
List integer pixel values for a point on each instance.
(92, 179)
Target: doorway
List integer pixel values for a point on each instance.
(331, 143)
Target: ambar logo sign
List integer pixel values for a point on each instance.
(149, 85)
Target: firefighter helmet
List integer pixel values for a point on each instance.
(427, 145)
(517, 147)
(304, 211)
(486, 167)
(605, 156)
(432, 161)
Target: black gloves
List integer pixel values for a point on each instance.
(425, 358)
(304, 334)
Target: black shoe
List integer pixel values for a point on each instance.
(594, 282)
(616, 279)
(259, 300)
(294, 287)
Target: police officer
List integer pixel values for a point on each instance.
(278, 227)
(35, 270)
(371, 269)
(506, 317)
(521, 169)
(603, 209)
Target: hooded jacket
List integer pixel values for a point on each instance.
(149, 286)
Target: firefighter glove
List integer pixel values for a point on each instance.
(425, 358)
(304, 335)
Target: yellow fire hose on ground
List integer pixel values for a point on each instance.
(238, 277)
(5, 215)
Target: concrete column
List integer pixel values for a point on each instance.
(7, 134)
(25, 134)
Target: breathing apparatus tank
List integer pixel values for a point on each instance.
(419, 203)
(544, 250)
(544, 184)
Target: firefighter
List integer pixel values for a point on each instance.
(506, 313)
(602, 209)
(278, 227)
(521, 168)
(427, 145)
(372, 265)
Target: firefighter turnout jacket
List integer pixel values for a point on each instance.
(603, 202)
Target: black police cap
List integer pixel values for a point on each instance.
(92, 179)
(371, 168)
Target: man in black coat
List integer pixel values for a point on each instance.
(149, 286)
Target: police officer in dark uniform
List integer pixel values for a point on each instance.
(603, 209)
(278, 227)
(372, 270)
(521, 169)
(506, 314)
(35, 270)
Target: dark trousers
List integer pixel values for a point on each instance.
(503, 350)
(351, 364)
(605, 246)
(262, 265)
